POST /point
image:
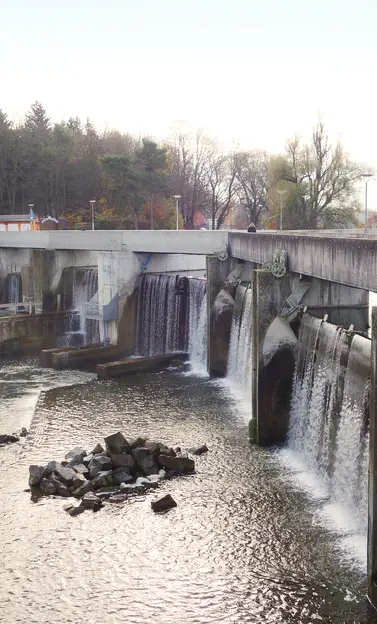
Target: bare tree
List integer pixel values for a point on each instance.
(252, 175)
(188, 159)
(220, 174)
(325, 180)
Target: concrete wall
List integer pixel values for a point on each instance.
(349, 261)
(31, 333)
(158, 241)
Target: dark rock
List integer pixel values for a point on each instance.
(76, 451)
(199, 450)
(75, 460)
(83, 489)
(65, 474)
(180, 464)
(164, 503)
(145, 460)
(91, 501)
(138, 442)
(165, 450)
(24, 432)
(123, 461)
(120, 475)
(118, 498)
(98, 464)
(177, 449)
(75, 511)
(116, 443)
(78, 480)
(146, 483)
(35, 474)
(8, 439)
(51, 467)
(87, 459)
(154, 447)
(47, 487)
(61, 489)
(103, 479)
(98, 449)
(81, 469)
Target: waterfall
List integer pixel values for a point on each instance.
(14, 288)
(239, 359)
(197, 325)
(84, 289)
(171, 316)
(328, 421)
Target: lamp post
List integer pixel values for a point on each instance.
(177, 198)
(366, 176)
(92, 202)
(281, 193)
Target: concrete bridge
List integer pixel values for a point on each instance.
(346, 257)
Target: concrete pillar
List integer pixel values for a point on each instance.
(219, 316)
(372, 499)
(271, 377)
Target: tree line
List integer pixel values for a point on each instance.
(60, 167)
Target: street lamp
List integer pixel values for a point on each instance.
(177, 198)
(92, 202)
(366, 176)
(281, 193)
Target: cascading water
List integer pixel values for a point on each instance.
(14, 288)
(171, 316)
(328, 423)
(198, 325)
(239, 359)
(84, 289)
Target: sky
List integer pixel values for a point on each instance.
(251, 72)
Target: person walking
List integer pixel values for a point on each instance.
(252, 227)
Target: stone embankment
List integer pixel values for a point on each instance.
(113, 473)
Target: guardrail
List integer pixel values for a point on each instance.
(12, 309)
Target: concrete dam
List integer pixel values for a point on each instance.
(295, 348)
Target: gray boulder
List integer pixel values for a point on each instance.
(65, 474)
(24, 432)
(138, 442)
(117, 444)
(199, 450)
(83, 489)
(145, 460)
(91, 501)
(78, 480)
(75, 460)
(179, 464)
(35, 474)
(8, 439)
(146, 483)
(76, 451)
(47, 487)
(123, 461)
(103, 479)
(51, 467)
(61, 489)
(81, 469)
(120, 475)
(98, 449)
(87, 459)
(75, 511)
(163, 504)
(118, 498)
(98, 464)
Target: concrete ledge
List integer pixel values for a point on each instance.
(85, 357)
(130, 366)
(45, 356)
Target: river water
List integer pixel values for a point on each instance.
(246, 543)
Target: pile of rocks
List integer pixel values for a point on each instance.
(112, 473)
(6, 438)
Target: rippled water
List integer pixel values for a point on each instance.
(243, 545)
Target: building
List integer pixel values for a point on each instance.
(18, 223)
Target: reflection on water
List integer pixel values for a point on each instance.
(243, 545)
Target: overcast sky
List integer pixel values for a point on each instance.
(250, 71)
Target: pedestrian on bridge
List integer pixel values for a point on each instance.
(252, 227)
